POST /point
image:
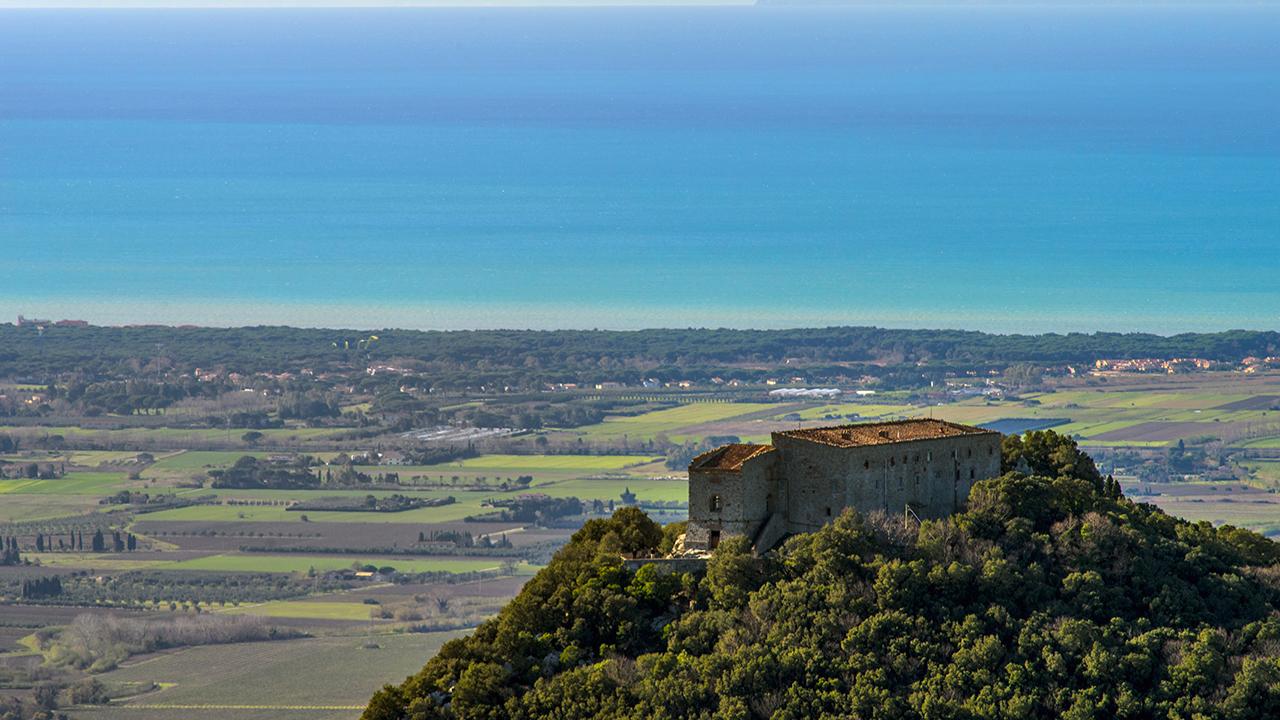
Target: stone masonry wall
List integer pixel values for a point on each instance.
(933, 475)
(744, 500)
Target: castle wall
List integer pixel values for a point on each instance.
(744, 498)
(933, 475)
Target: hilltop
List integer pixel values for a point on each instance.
(1050, 596)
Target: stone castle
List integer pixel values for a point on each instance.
(807, 477)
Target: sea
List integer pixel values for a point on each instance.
(1002, 168)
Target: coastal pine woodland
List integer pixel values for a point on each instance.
(1050, 596)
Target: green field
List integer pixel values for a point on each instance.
(593, 489)
(1247, 511)
(866, 411)
(19, 507)
(1265, 473)
(563, 463)
(297, 562)
(323, 678)
(468, 504)
(670, 421)
(167, 437)
(99, 561)
(190, 460)
(305, 609)
(85, 483)
(93, 458)
(196, 460)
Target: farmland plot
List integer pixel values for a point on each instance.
(324, 678)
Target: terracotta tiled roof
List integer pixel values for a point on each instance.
(884, 433)
(728, 457)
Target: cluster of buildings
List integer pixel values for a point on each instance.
(803, 479)
(1155, 365)
(1256, 364)
(40, 324)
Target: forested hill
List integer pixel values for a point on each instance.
(1048, 598)
(27, 351)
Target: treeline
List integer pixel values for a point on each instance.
(161, 588)
(491, 355)
(502, 548)
(41, 588)
(9, 553)
(538, 510)
(249, 472)
(73, 541)
(370, 503)
(1049, 597)
(98, 642)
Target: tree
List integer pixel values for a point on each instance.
(252, 437)
(733, 572)
(1046, 453)
(1024, 375)
(99, 543)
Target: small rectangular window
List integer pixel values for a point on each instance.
(715, 503)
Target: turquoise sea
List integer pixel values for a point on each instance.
(993, 168)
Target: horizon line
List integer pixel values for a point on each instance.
(531, 4)
(74, 324)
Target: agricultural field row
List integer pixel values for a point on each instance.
(261, 562)
(171, 437)
(320, 678)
